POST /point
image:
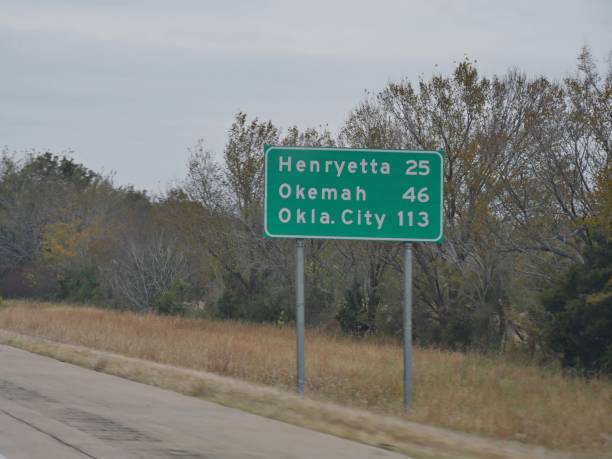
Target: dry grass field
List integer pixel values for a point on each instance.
(467, 392)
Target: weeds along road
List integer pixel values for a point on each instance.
(53, 410)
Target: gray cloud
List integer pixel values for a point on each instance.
(129, 88)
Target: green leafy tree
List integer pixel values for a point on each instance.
(580, 307)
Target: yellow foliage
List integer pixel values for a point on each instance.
(63, 242)
(59, 242)
(603, 203)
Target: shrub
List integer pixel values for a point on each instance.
(172, 301)
(352, 314)
(580, 309)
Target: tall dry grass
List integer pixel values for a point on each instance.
(468, 392)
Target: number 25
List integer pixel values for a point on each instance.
(422, 167)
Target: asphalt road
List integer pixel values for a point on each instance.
(54, 410)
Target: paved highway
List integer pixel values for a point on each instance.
(53, 410)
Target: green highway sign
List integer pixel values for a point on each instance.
(337, 193)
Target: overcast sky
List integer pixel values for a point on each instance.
(130, 85)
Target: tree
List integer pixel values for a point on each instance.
(369, 125)
(580, 307)
(244, 164)
(148, 269)
(36, 192)
(460, 293)
(230, 196)
(580, 303)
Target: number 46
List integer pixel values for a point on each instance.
(421, 196)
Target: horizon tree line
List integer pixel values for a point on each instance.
(527, 206)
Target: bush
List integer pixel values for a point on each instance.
(352, 314)
(80, 285)
(257, 303)
(172, 301)
(580, 309)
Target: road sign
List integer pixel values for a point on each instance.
(337, 193)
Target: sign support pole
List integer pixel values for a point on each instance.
(299, 312)
(407, 326)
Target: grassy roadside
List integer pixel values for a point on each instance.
(465, 392)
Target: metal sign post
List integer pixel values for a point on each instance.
(407, 326)
(299, 312)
